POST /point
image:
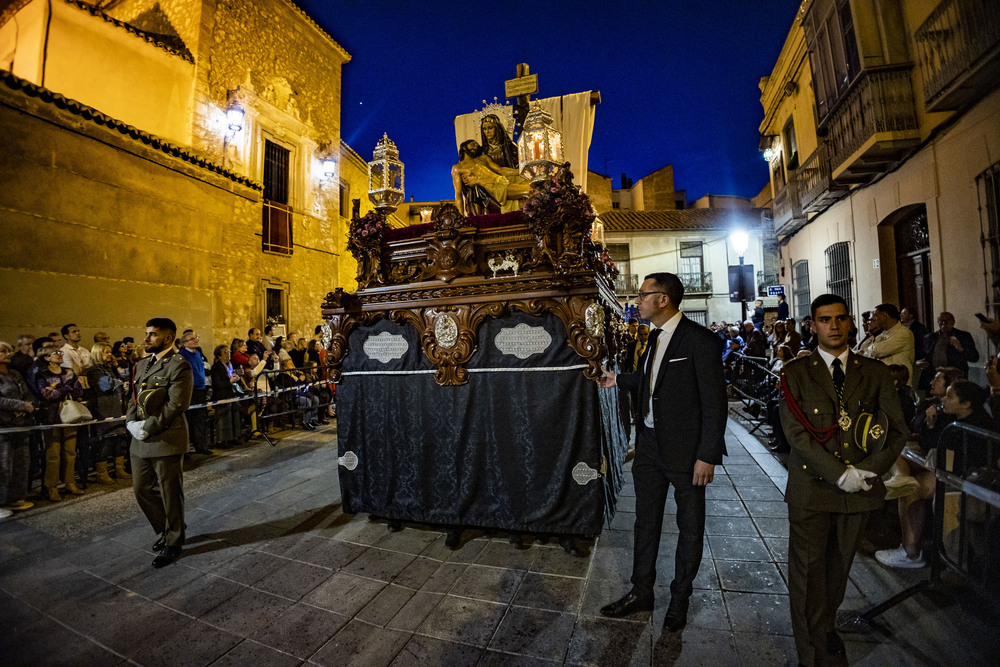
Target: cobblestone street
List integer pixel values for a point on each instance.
(274, 573)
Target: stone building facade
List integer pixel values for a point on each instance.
(138, 197)
(882, 122)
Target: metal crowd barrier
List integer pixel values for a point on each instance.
(755, 385)
(278, 396)
(88, 440)
(974, 551)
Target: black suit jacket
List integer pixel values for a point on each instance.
(689, 398)
(959, 360)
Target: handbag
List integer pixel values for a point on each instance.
(72, 412)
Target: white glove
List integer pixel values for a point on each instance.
(135, 428)
(854, 480)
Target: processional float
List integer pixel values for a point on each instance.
(466, 361)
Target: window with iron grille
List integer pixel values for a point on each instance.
(988, 187)
(277, 214)
(838, 272)
(699, 316)
(801, 299)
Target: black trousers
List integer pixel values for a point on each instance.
(652, 481)
(197, 420)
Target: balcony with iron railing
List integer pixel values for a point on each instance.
(959, 51)
(276, 231)
(873, 126)
(816, 189)
(626, 284)
(696, 283)
(788, 215)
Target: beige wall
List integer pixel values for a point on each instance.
(103, 66)
(599, 191)
(942, 176)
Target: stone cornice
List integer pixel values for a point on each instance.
(141, 34)
(95, 117)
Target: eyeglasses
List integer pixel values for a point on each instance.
(642, 295)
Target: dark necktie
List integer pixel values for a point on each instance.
(654, 337)
(838, 379)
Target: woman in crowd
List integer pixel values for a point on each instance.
(53, 384)
(16, 404)
(107, 401)
(298, 353)
(777, 338)
(281, 348)
(238, 354)
(227, 418)
(964, 401)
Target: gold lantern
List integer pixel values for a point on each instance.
(539, 147)
(385, 176)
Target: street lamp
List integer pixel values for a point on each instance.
(740, 240)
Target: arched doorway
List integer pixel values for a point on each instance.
(913, 262)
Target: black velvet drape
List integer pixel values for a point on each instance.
(497, 452)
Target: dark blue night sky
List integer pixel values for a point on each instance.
(678, 79)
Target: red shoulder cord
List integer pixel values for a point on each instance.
(821, 435)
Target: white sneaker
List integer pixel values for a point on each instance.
(900, 486)
(897, 558)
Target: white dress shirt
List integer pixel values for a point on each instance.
(662, 342)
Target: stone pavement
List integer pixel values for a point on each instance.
(274, 573)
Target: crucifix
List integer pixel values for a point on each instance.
(522, 88)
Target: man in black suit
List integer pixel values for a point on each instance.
(948, 346)
(679, 441)
(842, 419)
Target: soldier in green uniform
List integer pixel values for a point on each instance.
(843, 421)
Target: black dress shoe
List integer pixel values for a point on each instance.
(309, 427)
(160, 543)
(627, 605)
(167, 556)
(677, 614)
(834, 644)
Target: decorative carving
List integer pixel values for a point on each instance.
(450, 361)
(449, 256)
(498, 263)
(449, 219)
(404, 272)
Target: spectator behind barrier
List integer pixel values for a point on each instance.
(53, 384)
(16, 406)
(107, 399)
(227, 419)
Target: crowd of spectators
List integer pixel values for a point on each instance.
(930, 370)
(38, 375)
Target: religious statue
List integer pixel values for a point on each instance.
(497, 145)
(482, 186)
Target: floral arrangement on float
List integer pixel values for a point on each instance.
(366, 231)
(364, 241)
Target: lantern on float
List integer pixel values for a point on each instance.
(385, 176)
(540, 146)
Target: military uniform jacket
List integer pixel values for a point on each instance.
(814, 467)
(167, 426)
